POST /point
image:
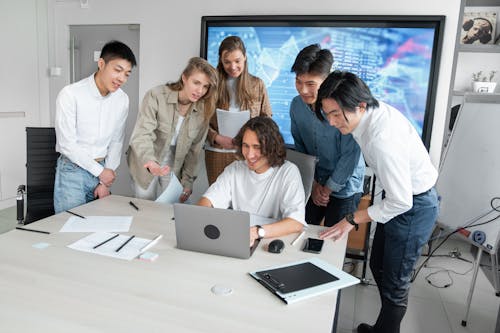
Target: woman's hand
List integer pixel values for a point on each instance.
(156, 170)
(185, 195)
(225, 141)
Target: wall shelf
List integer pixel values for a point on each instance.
(488, 48)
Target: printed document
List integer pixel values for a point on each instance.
(172, 192)
(130, 251)
(230, 122)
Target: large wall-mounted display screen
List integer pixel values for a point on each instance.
(397, 56)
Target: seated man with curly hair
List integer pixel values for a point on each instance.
(261, 182)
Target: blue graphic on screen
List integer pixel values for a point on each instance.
(394, 62)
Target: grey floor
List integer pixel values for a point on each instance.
(430, 309)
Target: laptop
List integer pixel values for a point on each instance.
(223, 232)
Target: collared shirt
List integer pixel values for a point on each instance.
(340, 166)
(397, 155)
(89, 125)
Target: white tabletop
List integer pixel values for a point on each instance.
(58, 289)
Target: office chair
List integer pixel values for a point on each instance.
(306, 164)
(41, 161)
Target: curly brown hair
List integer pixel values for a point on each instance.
(272, 145)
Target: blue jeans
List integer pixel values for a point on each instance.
(335, 210)
(396, 247)
(73, 185)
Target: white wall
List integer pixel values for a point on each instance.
(170, 34)
(24, 87)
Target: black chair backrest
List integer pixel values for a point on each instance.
(41, 162)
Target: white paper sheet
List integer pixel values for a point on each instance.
(130, 251)
(172, 192)
(97, 223)
(230, 122)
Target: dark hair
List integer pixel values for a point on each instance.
(312, 59)
(272, 145)
(117, 50)
(347, 89)
(197, 64)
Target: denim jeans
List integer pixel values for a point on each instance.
(73, 185)
(398, 244)
(335, 210)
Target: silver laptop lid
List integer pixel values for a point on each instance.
(212, 230)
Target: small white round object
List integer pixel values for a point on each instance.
(220, 289)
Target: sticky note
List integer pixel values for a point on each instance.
(148, 256)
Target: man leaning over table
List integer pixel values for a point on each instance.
(90, 128)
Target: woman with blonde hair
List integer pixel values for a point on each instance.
(237, 91)
(170, 131)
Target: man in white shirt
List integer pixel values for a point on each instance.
(407, 213)
(261, 182)
(90, 128)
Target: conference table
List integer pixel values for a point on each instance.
(58, 289)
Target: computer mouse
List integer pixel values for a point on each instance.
(276, 246)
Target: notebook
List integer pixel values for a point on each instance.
(223, 232)
(303, 279)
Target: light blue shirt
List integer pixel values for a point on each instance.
(340, 166)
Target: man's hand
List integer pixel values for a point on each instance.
(337, 231)
(320, 194)
(225, 141)
(156, 170)
(101, 191)
(185, 195)
(253, 235)
(107, 177)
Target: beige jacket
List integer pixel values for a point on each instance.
(260, 106)
(154, 130)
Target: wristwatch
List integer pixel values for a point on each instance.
(350, 218)
(261, 232)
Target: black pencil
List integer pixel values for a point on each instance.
(121, 246)
(107, 240)
(33, 230)
(133, 205)
(80, 216)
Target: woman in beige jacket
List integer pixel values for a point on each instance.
(170, 131)
(237, 91)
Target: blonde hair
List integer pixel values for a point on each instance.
(243, 96)
(197, 64)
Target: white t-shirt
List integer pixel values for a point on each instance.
(277, 193)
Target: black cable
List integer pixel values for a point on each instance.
(471, 224)
(448, 271)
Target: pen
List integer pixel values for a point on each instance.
(298, 238)
(133, 205)
(107, 240)
(121, 246)
(150, 244)
(33, 230)
(80, 216)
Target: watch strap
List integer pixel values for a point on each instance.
(350, 218)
